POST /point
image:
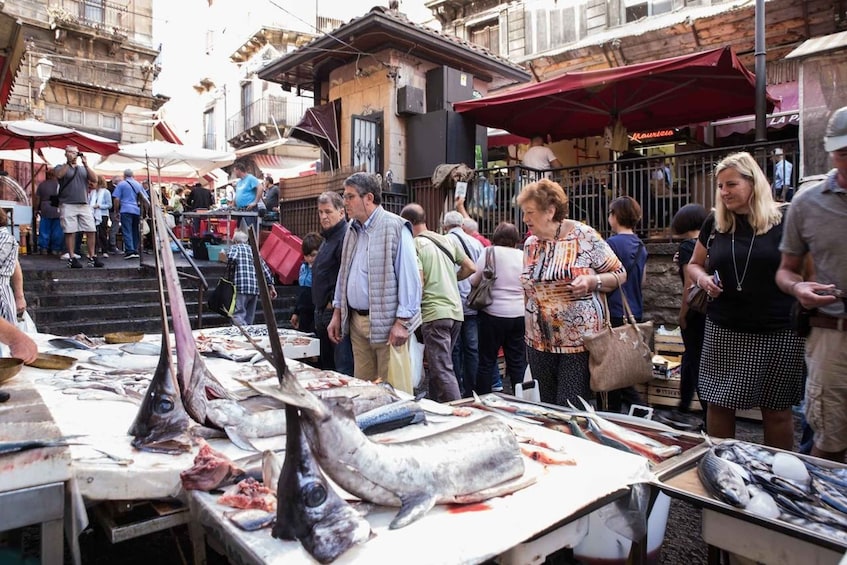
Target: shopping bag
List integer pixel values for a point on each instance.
(400, 368)
(528, 389)
(416, 354)
(26, 324)
(222, 300)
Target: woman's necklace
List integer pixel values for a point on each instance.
(740, 281)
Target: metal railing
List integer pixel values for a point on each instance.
(283, 111)
(492, 195)
(111, 18)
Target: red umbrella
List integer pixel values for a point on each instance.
(659, 94)
(32, 135)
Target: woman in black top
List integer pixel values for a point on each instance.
(751, 356)
(686, 223)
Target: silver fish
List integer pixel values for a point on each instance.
(271, 469)
(308, 509)
(161, 424)
(390, 417)
(196, 384)
(722, 481)
(251, 519)
(240, 424)
(469, 463)
(141, 348)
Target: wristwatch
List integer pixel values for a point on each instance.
(405, 322)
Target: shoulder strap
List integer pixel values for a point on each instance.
(462, 243)
(441, 247)
(62, 186)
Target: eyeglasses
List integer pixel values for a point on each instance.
(349, 196)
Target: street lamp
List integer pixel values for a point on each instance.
(44, 70)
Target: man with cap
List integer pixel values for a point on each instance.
(74, 212)
(126, 197)
(783, 187)
(811, 230)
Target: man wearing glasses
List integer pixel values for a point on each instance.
(378, 295)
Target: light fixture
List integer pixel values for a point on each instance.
(44, 70)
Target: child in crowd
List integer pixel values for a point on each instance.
(303, 318)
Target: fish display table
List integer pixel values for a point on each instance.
(559, 499)
(32, 482)
(763, 540)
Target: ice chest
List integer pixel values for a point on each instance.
(282, 251)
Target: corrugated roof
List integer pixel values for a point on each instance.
(821, 44)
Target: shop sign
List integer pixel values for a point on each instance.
(649, 135)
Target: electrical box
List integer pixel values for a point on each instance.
(444, 86)
(410, 100)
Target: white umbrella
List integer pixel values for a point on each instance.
(166, 160)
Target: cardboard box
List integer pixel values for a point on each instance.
(668, 344)
(666, 366)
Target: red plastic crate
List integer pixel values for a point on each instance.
(223, 228)
(282, 251)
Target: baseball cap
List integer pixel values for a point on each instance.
(777, 151)
(835, 137)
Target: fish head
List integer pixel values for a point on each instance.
(161, 423)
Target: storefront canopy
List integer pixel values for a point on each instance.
(667, 93)
(319, 126)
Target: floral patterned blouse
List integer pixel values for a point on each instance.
(554, 323)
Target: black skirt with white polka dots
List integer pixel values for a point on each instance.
(751, 370)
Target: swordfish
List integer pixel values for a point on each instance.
(469, 463)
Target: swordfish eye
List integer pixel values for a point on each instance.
(163, 405)
(314, 494)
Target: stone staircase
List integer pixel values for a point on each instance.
(99, 301)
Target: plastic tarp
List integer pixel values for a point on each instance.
(668, 93)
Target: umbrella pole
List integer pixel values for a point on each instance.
(31, 237)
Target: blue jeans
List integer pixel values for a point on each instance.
(466, 355)
(334, 357)
(129, 229)
(50, 234)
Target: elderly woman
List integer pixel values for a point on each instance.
(566, 265)
(751, 357)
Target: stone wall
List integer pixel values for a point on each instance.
(662, 287)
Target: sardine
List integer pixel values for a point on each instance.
(722, 481)
(308, 509)
(469, 463)
(390, 417)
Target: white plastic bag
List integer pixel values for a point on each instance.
(400, 368)
(416, 351)
(528, 389)
(26, 324)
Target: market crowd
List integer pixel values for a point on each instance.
(769, 332)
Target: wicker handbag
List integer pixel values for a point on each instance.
(620, 357)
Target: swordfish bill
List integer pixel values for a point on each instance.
(161, 423)
(196, 384)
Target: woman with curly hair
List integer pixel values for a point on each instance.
(566, 265)
(751, 357)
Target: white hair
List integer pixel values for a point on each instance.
(470, 224)
(240, 237)
(452, 219)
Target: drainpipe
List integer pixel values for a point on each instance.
(761, 73)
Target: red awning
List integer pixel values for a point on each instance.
(659, 94)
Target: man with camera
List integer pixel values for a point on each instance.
(74, 212)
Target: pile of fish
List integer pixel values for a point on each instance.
(589, 425)
(778, 486)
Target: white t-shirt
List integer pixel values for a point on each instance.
(538, 157)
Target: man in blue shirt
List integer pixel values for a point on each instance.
(377, 299)
(247, 193)
(126, 197)
(783, 187)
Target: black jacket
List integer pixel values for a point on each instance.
(327, 264)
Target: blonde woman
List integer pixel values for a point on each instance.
(751, 357)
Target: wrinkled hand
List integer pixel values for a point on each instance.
(334, 327)
(581, 286)
(398, 335)
(24, 348)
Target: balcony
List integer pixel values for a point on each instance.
(259, 121)
(110, 20)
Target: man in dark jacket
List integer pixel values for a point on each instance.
(200, 198)
(324, 275)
